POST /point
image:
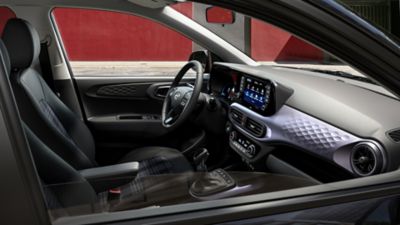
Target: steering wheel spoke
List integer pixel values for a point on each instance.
(173, 114)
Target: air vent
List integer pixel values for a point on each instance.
(255, 128)
(366, 159)
(395, 135)
(237, 116)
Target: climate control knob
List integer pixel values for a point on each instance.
(251, 149)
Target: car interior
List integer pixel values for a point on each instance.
(227, 130)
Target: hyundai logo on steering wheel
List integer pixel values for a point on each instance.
(177, 96)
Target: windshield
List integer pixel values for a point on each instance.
(269, 45)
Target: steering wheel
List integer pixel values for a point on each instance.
(181, 100)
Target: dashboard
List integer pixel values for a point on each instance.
(347, 125)
(255, 93)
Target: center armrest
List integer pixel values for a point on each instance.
(107, 177)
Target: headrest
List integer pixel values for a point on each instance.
(22, 42)
(6, 57)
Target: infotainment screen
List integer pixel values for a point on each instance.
(255, 92)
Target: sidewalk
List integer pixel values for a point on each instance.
(118, 68)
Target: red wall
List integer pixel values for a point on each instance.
(90, 35)
(93, 35)
(269, 43)
(5, 15)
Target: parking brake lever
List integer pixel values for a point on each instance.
(200, 160)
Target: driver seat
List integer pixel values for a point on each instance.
(54, 123)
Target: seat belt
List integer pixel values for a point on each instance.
(45, 66)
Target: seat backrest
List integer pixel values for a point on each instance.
(41, 109)
(66, 191)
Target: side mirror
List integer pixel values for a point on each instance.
(219, 15)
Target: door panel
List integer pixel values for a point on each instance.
(125, 112)
(128, 104)
(102, 96)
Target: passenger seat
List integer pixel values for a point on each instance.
(54, 123)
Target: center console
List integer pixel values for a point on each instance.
(243, 145)
(261, 98)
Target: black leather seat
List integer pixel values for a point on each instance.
(63, 186)
(53, 122)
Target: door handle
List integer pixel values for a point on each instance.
(161, 91)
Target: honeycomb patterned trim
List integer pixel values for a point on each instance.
(117, 90)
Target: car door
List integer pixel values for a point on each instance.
(122, 66)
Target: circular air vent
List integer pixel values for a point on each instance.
(366, 159)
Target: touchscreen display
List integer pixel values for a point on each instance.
(256, 93)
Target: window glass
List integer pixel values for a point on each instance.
(269, 43)
(116, 43)
(273, 46)
(106, 43)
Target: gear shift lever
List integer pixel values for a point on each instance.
(200, 160)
